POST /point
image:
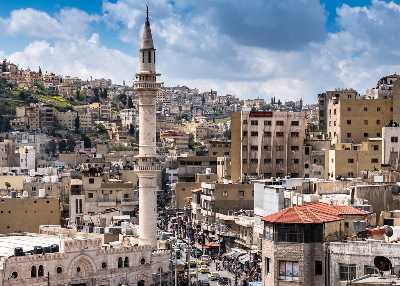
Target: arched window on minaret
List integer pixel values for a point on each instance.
(142, 56)
(149, 57)
(154, 56)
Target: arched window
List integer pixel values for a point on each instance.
(154, 56)
(149, 57)
(120, 263)
(143, 57)
(140, 283)
(142, 261)
(126, 262)
(40, 271)
(33, 271)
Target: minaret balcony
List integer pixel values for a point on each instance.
(148, 164)
(147, 85)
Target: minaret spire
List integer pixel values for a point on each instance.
(147, 14)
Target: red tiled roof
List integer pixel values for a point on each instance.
(312, 213)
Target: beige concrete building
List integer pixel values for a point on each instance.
(351, 160)
(27, 214)
(354, 119)
(269, 144)
(96, 194)
(66, 119)
(8, 156)
(213, 198)
(219, 148)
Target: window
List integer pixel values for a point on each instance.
(126, 196)
(267, 148)
(374, 160)
(244, 147)
(378, 134)
(59, 270)
(91, 180)
(120, 262)
(365, 108)
(378, 122)
(347, 272)
(225, 194)
(370, 270)
(254, 122)
(280, 123)
(149, 58)
(254, 133)
(33, 271)
(288, 270)
(350, 160)
(318, 267)
(394, 139)
(244, 134)
(334, 112)
(349, 96)
(40, 271)
(267, 265)
(244, 161)
(267, 161)
(294, 134)
(267, 134)
(376, 147)
(348, 122)
(295, 123)
(294, 148)
(126, 262)
(253, 161)
(295, 161)
(365, 122)
(267, 122)
(244, 121)
(253, 147)
(279, 161)
(378, 109)
(348, 108)
(279, 134)
(348, 135)
(241, 194)
(279, 148)
(90, 195)
(391, 109)
(366, 134)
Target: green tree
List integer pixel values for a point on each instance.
(70, 145)
(62, 146)
(101, 128)
(77, 124)
(87, 143)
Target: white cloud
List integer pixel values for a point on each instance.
(193, 50)
(67, 24)
(77, 58)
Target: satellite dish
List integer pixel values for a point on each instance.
(382, 263)
(388, 231)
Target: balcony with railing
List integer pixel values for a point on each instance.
(147, 85)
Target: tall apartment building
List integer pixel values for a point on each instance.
(323, 100)
(8, 156)
(267, 144)
(354, 119)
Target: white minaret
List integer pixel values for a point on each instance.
(148, 166)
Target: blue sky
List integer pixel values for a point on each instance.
(287, 49)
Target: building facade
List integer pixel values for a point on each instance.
(270, 144)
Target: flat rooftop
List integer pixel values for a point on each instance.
(27, 241)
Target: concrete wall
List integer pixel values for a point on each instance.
(27, 214)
